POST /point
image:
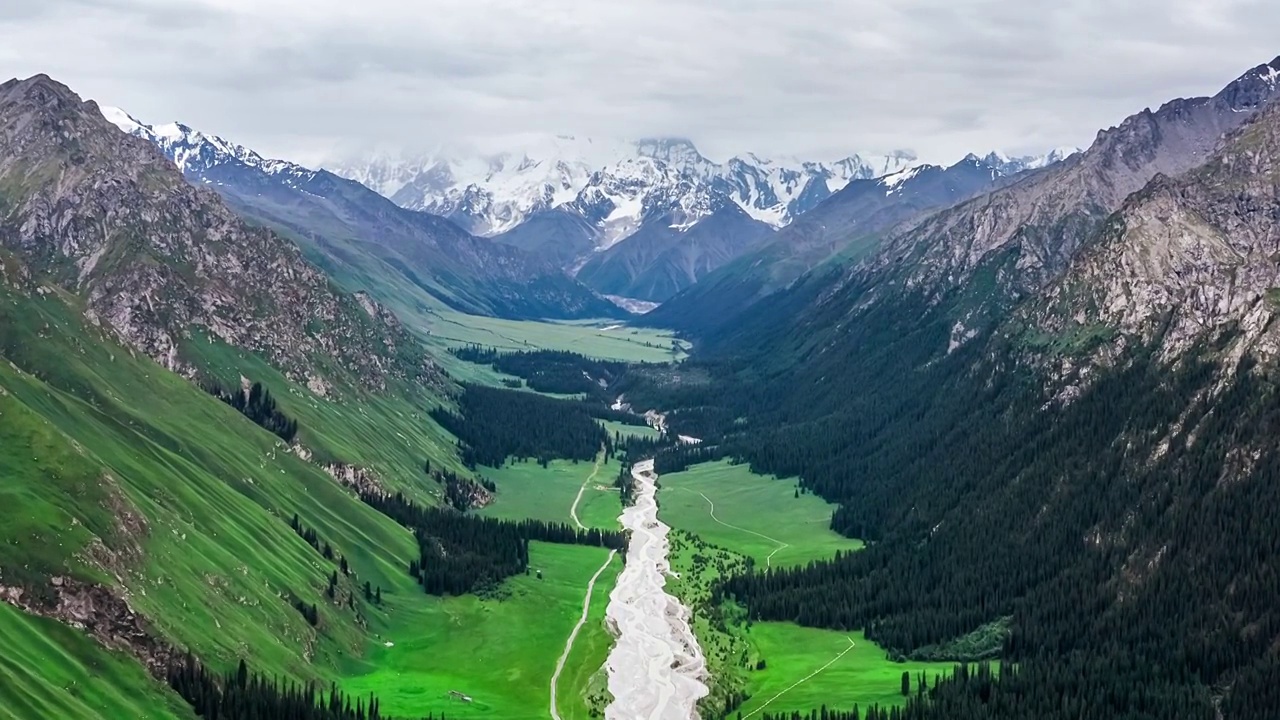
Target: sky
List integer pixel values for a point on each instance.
(317, 80)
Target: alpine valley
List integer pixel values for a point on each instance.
(988, 440)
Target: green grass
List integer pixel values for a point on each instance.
(721, 629)
(863, 675)
(91, 433)
(390, 433)
(703, 551)
(500, 652)
(603, 339)
(584, 692)
(49, 670)
(527, 490)
(641, 431)
(769, 523)
(214, 562)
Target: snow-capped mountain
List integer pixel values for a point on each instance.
(195, 153)
(618, 186)
(362, 234)
(1013, 165)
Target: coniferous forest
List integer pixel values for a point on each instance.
(493, 424)
(245, 695)
(550, 371)
(1103, 533)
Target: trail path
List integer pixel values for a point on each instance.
(802, 680)
(656, 667)
(768, 561)
(573, 510)
(568, 644)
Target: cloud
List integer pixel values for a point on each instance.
(818, 78)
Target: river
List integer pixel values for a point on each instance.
(656, 667)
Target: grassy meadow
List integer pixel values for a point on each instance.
(862, 675)
(758, 516)
(603, 339)
(528, 490)
(759, 520)
(641, 431)
(500, 651)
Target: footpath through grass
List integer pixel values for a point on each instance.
(759, 516)
(528, 490)
(499, 650)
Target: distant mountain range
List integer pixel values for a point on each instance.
(408, 259)
(614, 186)
(844, 227)
(619, 215)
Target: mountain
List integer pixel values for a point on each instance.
(159, 262)
(846, 226)
(611, 185)
(368, 242)
(1051, 411)
(663, 258)
(1022, 236)
(1186, 260)
(157, 525)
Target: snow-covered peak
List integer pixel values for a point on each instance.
(1003, 164)
(121, 119)
(490, 188)
(195, 152)
(892, 182)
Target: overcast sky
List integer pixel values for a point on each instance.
(308, 79)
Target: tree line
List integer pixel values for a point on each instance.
(550, 371)
(245, 695)
(460, 554)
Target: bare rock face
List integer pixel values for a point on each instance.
(1025, 235)
(105, 215)
(99, 612)
(360, 479)
(1185, 261)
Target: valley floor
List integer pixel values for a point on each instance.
(781, 667)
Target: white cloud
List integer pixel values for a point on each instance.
(807, 77)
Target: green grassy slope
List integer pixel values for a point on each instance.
(211, 560)
(91, 433)
(48, 670)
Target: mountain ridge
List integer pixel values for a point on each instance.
(345, 225)
(154, 257)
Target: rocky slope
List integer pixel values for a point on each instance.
(365, 239)
(661, 259)
(848, 225)
(1024, 235)
(104, 215)
(1184, 261)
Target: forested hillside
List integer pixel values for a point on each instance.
(1057, 441)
